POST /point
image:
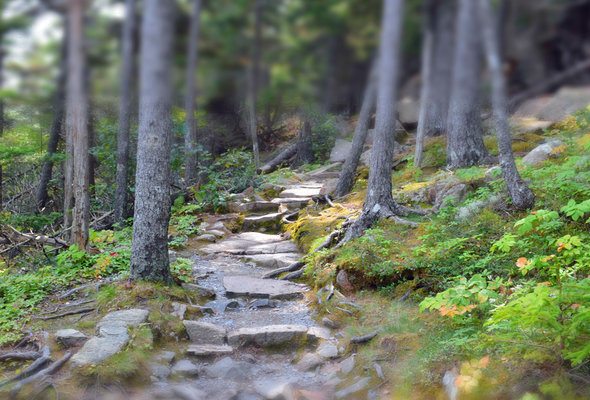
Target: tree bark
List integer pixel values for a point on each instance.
(285, 155)
(253, 78)
(304, 145)
(77, 123)
(522, 197)
(56, 128)
(1, 115)
(125, 107)
(379, 202)
(437, 53)
(149, 253)
(465, 146)
(346, 178)
(191, 134)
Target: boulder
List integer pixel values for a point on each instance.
(265, 336)
(408, 110)
(205, 333)
(541, 153)
(159, 372)
(70, 337)
(327, 350)
(264, 288)
(200, 290)
(340, 151)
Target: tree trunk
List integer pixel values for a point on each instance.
(125, 107)
(77, 124)
(346, 178)
(190, 138)
(465, 146)
(437, 53)
(304, 145)
(379, 202)
(253, 78)
(522, 197)
(56, 129)
(149, 253)
(2, 122)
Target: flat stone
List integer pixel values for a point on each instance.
(264, 288)
(541, 153)
(255, 221)
(317, 333)
(270, 335)
(227, 368)
(185, 368)
(255, 206)
(216, 233)
(127, 318)
(209, 350)
(341, 150)
(272, 389)
(205, 333)
(165, 357)
(98, 349)
(285, 246)
(360, 385)
(276, 260)
(159, 371)
(70, 337)
(292, 202)
(309, 361)
(348, 364)
(241, 243)
(300, 191)
(327, 350)
(200, 290)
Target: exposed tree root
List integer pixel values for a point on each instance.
(20, 355)
(40, 362)
(41, 375)
(364, 338)
(65, 314)
(290, 268)
(293, 275)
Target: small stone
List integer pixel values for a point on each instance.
(348, 364)
(272, 389)
(360, 385)
(185, 368)
(70, 337)
(309, 361)
(227, 368)
(327, 350)
(328, 323)
(165, 357)
(179, 310)
(207, 237)
(541, 153)
(159, 371)
(317, 333)
(205, 333)
(208, 350)
(188, 392)
(216, 233)
(263, 303)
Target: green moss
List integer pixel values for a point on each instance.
(312, 225)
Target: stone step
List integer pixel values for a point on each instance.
(249, 243)
(248, 286)
(301, 191)
(267, 222)
(292, 203)
(255, 206)
(266, 336)
(277, 260)
(205, 333)
(209, 350)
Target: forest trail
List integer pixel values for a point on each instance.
(258, 338)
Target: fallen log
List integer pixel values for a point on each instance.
(41, 375)
(281, 158)
(364, 338)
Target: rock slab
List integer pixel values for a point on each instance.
(262, 288)
(265, 336)
(205, 333)
(70, 337)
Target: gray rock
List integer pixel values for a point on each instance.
(185, 368)
(267, 220)
(70, 337)
(292, 203)
(160, 372)
(272, 389)
(475, 207)
(327, 350)
(227, 368)
(200, 290)
(251, 243)
(301, 192)
(309, 361)
(271, 335)
(328, 323)
(541, 153)
(206, 237)
(255, 206)
(340, 151)
(408, 110)
(209, 350)
(127, 318)
(179, 310)
(205, 333)
(265, 288)
(216, 233)
(359, 386)
(165, 357)
(188, 392)
(347, 365)
(263, 303)
(319, 333)
(277, 260)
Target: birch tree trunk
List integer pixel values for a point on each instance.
(465, 146)
(77, 123)
(346, 178)
(253, 78)
(149, 250)
(125, 107)
(191, 134)
(522, 197)
(437, 62)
